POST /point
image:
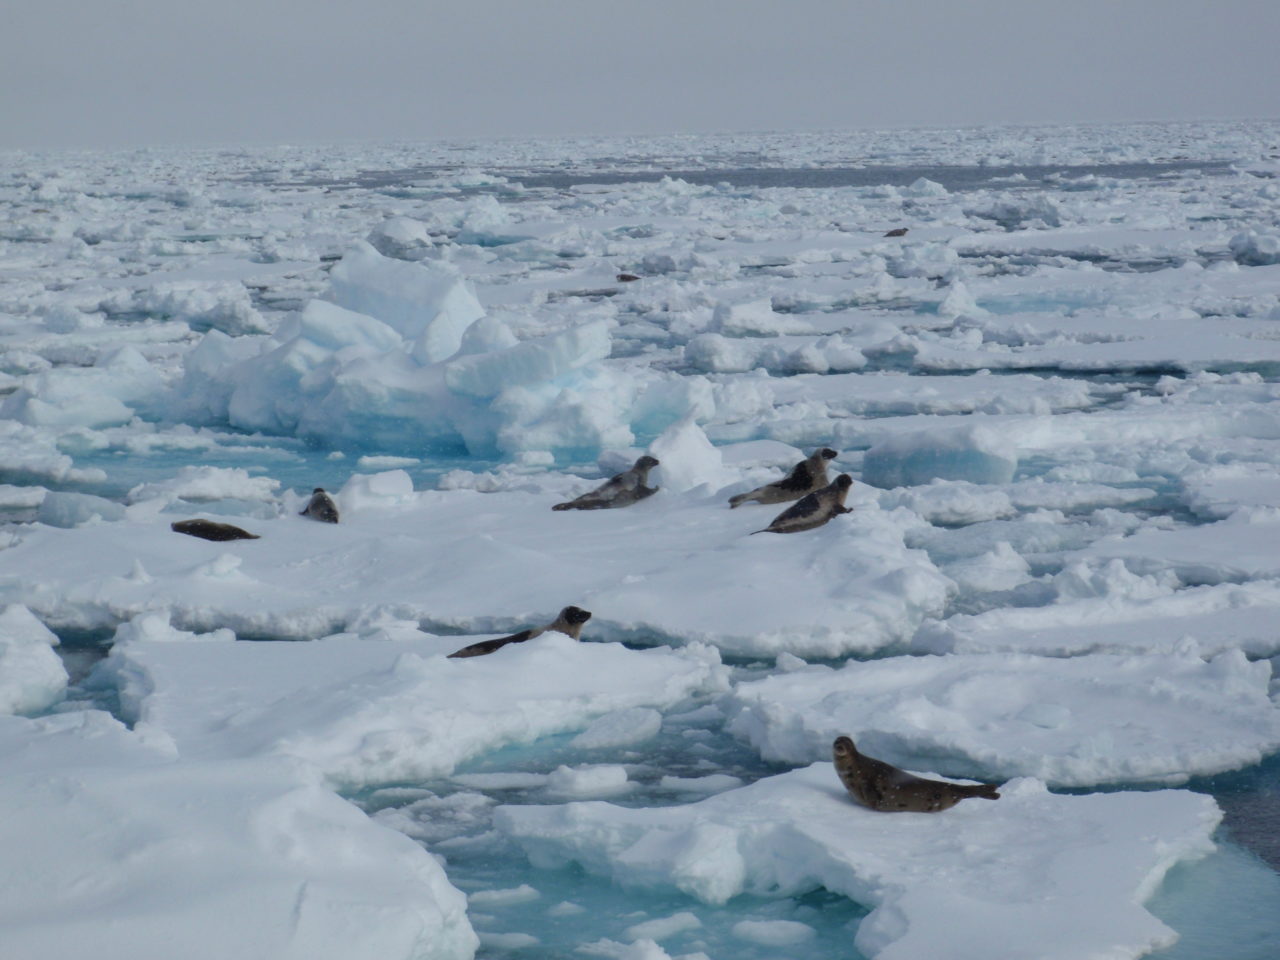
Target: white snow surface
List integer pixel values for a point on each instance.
(1074, 722)
(433, 555)
(31, 675)
(115, 845)
(361, 711)
(1007, 879)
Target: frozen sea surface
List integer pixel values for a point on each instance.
(1056, 394)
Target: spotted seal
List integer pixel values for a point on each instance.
(569, 622)
(321, 507)
(209, 530)
(807, 476)
(813, 509)
(881, 786)
(621, 490)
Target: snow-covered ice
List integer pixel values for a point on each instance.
(433, 555)
(384, 708)
(115, 845)
(1009, 879)
(1080, 721)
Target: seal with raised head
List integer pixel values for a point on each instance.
(321, 507)
(210, 530)
(569, 622)
(881, 786)
(621, 490)
(807, 476)
(813, 509)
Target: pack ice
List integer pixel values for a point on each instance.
(1047, 357)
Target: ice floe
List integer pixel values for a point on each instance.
(1008, 879)
(432, 555)
(1073, 722)
(140, 850)
(363, 711)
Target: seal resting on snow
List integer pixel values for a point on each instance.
(882, 786)
(619, 491)
(321, 507)
(813, 509)
(569, 622)
(807, 476)
(899, 232)
(209, 530)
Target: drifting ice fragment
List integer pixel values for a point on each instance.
(1009, 880)
(976, 454)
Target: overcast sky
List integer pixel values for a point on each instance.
(134, 72)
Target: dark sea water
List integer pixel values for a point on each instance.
(954, 178)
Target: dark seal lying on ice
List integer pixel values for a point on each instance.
(622, 490)
(569, 622)
(881, 786)
(321, 507)
(209, 530)
(814, 509)
(807, 476)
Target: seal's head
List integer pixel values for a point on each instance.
(828, 454)
(844, 481)
(575, 615)
(647, 462)
(317, 490)
(843, 747)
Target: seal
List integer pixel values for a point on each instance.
(209, 530)
(621, 490)
(807, 476)
(321, 507)
(899, 232)
(813, 509)
(882, 786)
(569, 622)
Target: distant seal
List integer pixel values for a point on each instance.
(209, 530)
(813, 509)
(899, 232)
(622, 490)
(806, 477)
(321, 507)
(569, 622)
(881, 786)
(627, 278)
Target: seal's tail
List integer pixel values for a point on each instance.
(738, 500)
(984, 790)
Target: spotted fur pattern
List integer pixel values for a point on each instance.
(881, 786)
(814, 509)
(321, 507)
(806, 477)
(621, 490)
